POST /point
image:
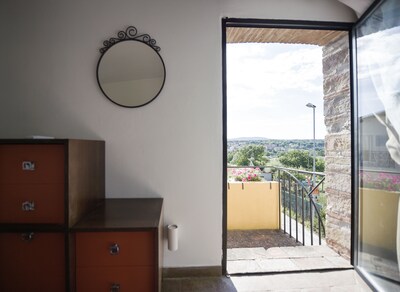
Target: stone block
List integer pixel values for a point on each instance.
(337, 163)
(338, 124)
(338, 142)
(339, 153)
(338, 181)
(339, 217)
(335, 167)
(337, 105)
(337, 83)
(338, 236)
(335, 61)
(339, 207)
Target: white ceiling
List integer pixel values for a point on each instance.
(359, 6)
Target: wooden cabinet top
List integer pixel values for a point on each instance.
(123, 214)
(45, 141)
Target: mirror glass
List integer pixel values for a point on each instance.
(131, 73)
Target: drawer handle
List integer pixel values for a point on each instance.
(27, 236)
(28, 206)
(28, 165)
(115, 287)
(114, 249)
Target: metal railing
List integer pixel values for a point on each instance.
(297, 203)
(305, 209)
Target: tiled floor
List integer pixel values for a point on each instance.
(332, 281)
(283, 259)
(198, 284)
(296, 262)
(265, 238)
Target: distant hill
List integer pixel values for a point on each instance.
(249, 139)
(274, 147)
(269, 139)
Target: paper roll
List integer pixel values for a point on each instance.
(172, 237)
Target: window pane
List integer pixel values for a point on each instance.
(378, 81)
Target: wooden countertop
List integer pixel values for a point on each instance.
(122, 214)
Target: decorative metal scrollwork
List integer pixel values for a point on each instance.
(130, 33)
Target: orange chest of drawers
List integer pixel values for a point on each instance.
(45, 187)
(118, 247)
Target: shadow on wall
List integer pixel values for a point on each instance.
(50, 117)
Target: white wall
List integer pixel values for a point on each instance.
(171, 148)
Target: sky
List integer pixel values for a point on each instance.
(268, 87)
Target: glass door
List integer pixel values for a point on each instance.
(377, 136)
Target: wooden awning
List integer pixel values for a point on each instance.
(282, 35)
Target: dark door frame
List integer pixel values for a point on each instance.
(265, 23)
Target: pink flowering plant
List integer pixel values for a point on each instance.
(246, 174)
(381, 181)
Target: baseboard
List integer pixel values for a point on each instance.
(190, 272)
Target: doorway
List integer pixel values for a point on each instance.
(289, 190)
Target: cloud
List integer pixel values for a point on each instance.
(268, 87)
(264, 68)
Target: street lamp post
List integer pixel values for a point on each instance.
(310, 105)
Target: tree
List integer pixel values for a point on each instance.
(319, 165)
(250, 155)
(301, 159)
(230, 156)
(295, 159)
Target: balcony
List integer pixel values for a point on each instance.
(270, 215)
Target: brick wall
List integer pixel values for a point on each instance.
(336, 70)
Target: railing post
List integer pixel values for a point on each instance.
(319, 231)
(284, 205)
(311, 220)
(302, 214)
(280, 199)
(297, 228)
(290, 207)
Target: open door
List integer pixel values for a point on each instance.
(377, 146)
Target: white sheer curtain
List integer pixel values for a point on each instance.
(380, 59)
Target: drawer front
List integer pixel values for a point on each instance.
(32, 262)
(115, 248)
(31, 164)
(115, 279)
(32, 203)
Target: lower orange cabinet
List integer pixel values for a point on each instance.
(115, 261)
(118, 247)
(115, 279)
(32, 261)
(115, 248)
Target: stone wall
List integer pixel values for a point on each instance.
(336, 70)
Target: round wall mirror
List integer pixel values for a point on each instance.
(131, 73)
